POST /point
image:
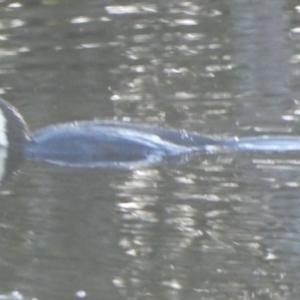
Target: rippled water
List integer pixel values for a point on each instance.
(220, 226)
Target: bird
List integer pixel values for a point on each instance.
(113, 144)
(94, 143)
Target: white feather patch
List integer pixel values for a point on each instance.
(3, 157)
(3, 131)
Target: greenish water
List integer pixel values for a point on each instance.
(220, 226)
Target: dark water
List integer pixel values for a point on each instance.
(220, 226)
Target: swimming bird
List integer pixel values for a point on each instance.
(112, 144)
(108, 144)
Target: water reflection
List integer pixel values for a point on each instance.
(165, 238)
(159, 54)
(267, 51)
(131, 9)
(153, 230)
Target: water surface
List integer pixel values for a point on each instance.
(219, 226)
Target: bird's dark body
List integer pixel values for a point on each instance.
(111, 144)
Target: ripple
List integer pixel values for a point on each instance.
(131, 9)
(81, 19)
(295, 59)
(295, 30)
(89, 46)
(15, 5)
(219, 68)
(185, 96)
(174, 284)
(186, 22)
(80, 294)
(4, 24)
